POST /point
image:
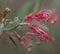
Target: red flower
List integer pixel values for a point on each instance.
(28, 38)
(42, 33)
(45, 14)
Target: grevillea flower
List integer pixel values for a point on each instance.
(42, 33)
(28, 38)
(45, 14)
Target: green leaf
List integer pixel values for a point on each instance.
(16, 23)
(1, 26)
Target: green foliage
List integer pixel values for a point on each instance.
(16, 22)
(6, 26)
(1, 26)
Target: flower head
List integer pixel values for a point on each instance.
(28, 38)
(42, 33)
(45, 14)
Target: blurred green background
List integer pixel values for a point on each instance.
(22, 7)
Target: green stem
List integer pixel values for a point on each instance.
(37, 5)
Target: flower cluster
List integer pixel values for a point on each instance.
(27, 39)
(45, 14)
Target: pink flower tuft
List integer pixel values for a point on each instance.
(45, 14)
(28, 38)
(42, 33)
